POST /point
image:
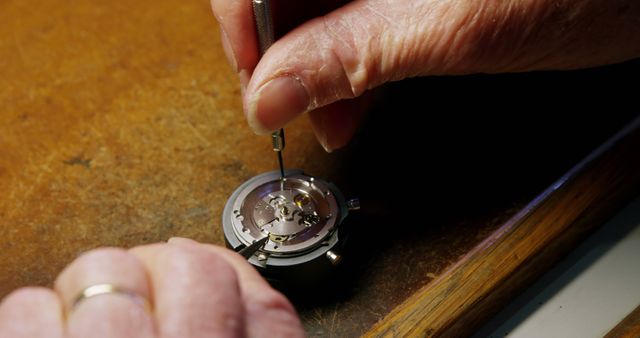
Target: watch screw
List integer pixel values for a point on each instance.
(333, 257)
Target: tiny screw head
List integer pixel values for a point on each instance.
(333, 257)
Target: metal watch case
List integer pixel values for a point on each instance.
(303, 217)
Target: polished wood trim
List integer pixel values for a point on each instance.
(496, 270)
(629, 327)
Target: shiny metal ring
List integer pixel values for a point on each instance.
(104, 289)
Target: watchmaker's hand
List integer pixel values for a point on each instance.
(337, 57)
(176, 289)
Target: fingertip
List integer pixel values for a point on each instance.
(178, 240)
(252, 118)
(33, 295)
(228, 50)
(334, 125)
(31, 312)
(244, 76)
(237, 27)
(276, 103)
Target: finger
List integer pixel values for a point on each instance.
(238, 33)
(31, 313)
(110, 314)
(350, 50)
(196, 292)
(268, 312)
(335, 124)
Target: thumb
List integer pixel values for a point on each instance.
(354, 48)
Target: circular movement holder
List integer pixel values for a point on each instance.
(302, 217)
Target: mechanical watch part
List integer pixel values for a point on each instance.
(301, 216)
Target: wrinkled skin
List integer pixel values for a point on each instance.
(326, 64)
(196, 290)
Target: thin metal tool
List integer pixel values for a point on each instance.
(264, 24)
(278, 145)
(248, 251)
(264, 28)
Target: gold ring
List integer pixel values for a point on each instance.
(104, 289)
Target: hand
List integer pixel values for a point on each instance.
(339, 56)
(196, 290)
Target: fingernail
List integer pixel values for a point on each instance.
(321, 134)
(276, 103)
(228, 51)
(178, 240)
(244, 80)
(325, 145)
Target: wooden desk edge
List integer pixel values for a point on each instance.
(496, 270)
(629, 327)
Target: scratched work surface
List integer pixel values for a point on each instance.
(121, 124)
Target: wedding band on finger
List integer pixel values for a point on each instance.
(107, 289)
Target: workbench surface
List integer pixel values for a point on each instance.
(121, 124)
